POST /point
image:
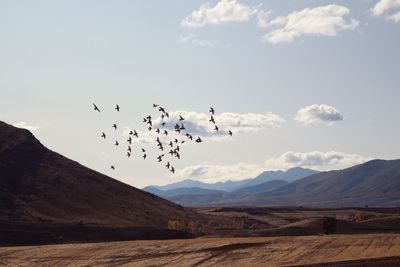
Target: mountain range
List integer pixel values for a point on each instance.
(375, 183)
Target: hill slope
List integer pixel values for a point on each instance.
(40, 187)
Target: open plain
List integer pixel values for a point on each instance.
(329, 250)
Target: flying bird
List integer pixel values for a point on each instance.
(212, 110)
(230, 133)
(129, 140)
(143, 150)
(115, 126)
(130, 132)
(172, 169)
(158, 130)
(117, 108)
(129, 149)
(135, 134)
(112, 167)
(116, 143)
(216, 128)
(168, 165)
(155, 105)
(95, 107)
(181, 118)
(198, 140)
(128, 154)
(176, 140)
(144, 156)
(103, 135)
(212, 119)
(166, 132)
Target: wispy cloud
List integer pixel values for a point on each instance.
(385, 7)
(318, 21)
(318, 114)
(27, 126)
(192, 39)
(316, 159)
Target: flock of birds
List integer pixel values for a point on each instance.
(162, 131)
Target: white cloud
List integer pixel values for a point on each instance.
(383, 6)
(315, 160)
(224, 11)
(315, 114)
(217, 173)
(191, 39)
(199, 124)
(25, 125)
(318, 21)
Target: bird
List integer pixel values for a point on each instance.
(160, 157)
(160, 146)
(167, 114)
(130, 132)
(212, 119)
(171, 152)
(168, 165)
(129, 149)
(163, 123)
(96, 108)
(128, 154)
(216, 128)
(176, 140)
(115, 126)
(171, 144)
(149, 128)
(198, 140)
(112, 167)
(172, 169)
(161, 109)
(166, 132)
(135, 134)
(116, 143)
(162, 116)
(177, 155)
(129, 140)
(230, 133)
(182, 142)
(103, 135)
(117, 108)
(158, 130)
(181, 118)
(155, 105)
(177, 148)
(143, 150)
(182, 127)
(144, 156)
(212, 110)
(144, 120)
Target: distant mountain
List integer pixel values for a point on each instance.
(289, 176)
(261, 188)
(228, 186)
(374, 183)
(45, 197)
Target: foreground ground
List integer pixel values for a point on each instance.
(361, 250)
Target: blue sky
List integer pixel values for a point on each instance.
(313, 83)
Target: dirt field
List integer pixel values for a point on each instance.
(361, 250)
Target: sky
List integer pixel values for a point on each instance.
(308, 83)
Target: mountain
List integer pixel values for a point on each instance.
(375, 183)
(261, 188)
(289, 176)
(228, 186)
(45, 196)
(189, 191)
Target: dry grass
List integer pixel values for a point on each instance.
(260, 251)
